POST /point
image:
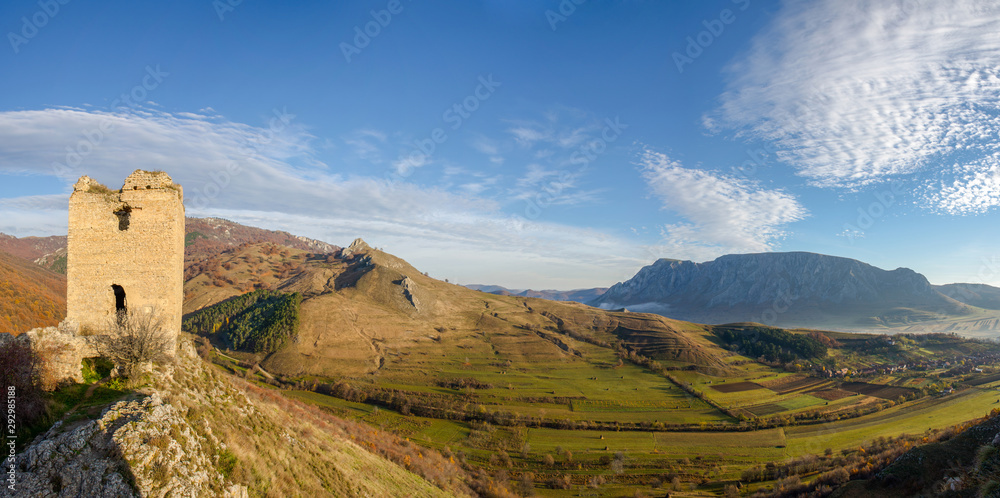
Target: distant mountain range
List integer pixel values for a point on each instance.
(578, 295)
(801, 289)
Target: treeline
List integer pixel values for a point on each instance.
(463, 383)
(772, 344)
(260, 322)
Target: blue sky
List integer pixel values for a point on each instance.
(526, 143)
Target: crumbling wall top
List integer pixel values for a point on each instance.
(88, 184)
(144, 180)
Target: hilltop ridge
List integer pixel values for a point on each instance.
(364, 309)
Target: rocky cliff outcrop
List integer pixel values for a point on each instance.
(63, 350)
(127, 452)
(357, 247)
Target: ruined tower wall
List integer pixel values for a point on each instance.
(143, 254)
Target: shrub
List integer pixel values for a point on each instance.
(564, 482)
(731, 491)
(134, 339)
(227, 463)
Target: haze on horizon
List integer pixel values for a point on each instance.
(528, 144)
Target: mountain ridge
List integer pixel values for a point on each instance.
(785, 289)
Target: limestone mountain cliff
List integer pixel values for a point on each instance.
(786, 289)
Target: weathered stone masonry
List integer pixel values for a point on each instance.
(126, 250)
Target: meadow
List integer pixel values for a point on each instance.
(700, 460)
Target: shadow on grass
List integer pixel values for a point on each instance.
(72, 403)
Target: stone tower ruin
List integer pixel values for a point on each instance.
(126, 251)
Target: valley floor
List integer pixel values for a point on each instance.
(702, 461)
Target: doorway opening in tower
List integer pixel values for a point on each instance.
(121, 306)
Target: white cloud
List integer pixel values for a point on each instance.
(489, 147)
(553, 132)
(37, 215)
(528, 136)
(723, 214)
(405, 165)
(545, 187)
(366, 144)
(975, 190)
(854, 92)
(282, 184)
(486, 145)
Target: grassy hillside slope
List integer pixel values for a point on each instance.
(194, 431)
(370, 310)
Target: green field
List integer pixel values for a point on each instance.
(911, 418)
(712, 457)
(503, 373)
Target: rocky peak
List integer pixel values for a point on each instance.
(356, 247)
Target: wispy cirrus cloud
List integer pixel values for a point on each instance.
(854, 92)
(489, 147)
(367, 144)
(723, 214)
